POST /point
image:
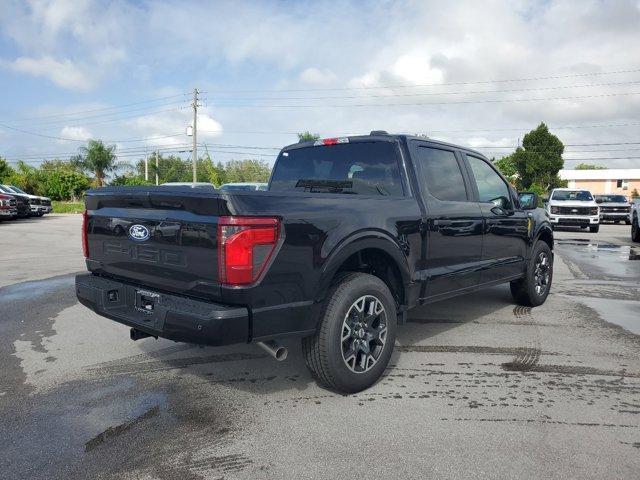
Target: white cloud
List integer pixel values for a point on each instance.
(75, 133)
(63, 73)
(316, 76)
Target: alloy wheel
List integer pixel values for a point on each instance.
(364, 334)
(542, 273)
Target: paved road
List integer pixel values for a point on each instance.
(35, 248)
(477, 388)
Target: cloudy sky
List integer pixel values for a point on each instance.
(475, 73)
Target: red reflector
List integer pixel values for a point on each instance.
(330, 141)
(85, 240)
(245, 245)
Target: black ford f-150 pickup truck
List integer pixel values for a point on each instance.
(351, 233)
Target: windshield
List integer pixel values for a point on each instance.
(16, 189)
(611, 199)
(365, 168)
(579, 195)
(4, 189)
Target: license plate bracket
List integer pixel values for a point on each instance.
(146, 302)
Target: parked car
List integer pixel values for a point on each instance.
(229, 187)
(351, 234)
(575, 208)
(39, 205)
(23, 202)
(613, 208)
(8, 207)
(634, 218)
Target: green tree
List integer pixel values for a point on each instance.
(5, 170)
(97, 158)
(308, 137)
(506, 167)
(26, 177)
(65, 184)
(247, 171)
(538, 161)
(589, 166)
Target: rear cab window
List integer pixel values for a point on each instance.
(356, 168)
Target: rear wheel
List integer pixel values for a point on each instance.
(533, 289)
(635, 230)
(355, 337)
(594, 228)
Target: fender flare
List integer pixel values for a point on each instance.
(544, 228)
(368, 239)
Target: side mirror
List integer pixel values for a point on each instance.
(528, 200)
(598, 200)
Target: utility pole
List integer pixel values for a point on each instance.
(157, 167)
(146, 164)
(195, 133)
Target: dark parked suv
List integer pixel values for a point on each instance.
(351, 234)
(23, 203)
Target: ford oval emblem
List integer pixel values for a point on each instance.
(139, 233)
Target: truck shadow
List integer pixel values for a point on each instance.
(248, 368)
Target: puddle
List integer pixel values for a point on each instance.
(619, 312)
(625, 252)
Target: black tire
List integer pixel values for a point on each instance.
(525, 290)
(635, 230)
(324, 352)
(628, 222)
(594, 228)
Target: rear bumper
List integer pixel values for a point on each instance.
(174, 317)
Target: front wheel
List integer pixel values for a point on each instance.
(355, 337)
(635, 230)
(533, 289)
(594, 228)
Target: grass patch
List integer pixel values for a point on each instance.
(67, 207)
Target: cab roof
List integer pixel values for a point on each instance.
(381, 136)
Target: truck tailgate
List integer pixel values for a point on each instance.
(161, 237)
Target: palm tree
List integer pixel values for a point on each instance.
(97, 158)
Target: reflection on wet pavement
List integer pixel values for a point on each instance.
(624, 251)
(608, 278)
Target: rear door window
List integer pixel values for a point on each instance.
(440, 172)
(364, 168)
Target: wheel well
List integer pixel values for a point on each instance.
(379, 263)
(547, 236)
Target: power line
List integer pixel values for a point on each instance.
(530, 79)
(80, 112)
(516, 90)
(417, 104)
(67, 122)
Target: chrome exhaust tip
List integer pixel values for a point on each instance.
(274, 349)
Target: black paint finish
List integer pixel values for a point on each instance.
(437, 248)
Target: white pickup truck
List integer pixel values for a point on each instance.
(573, 208)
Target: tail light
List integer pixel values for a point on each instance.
(245, 245)
(85, 240)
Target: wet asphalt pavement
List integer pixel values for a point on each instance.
(477, 387)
